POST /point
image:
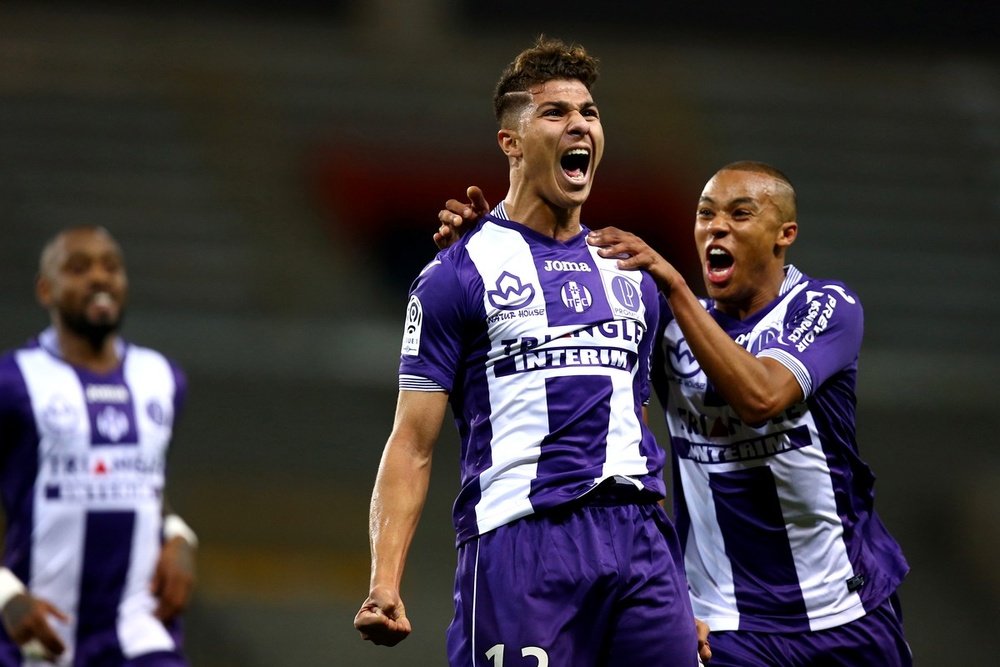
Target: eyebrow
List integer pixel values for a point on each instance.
(564, 105)
(739, 201)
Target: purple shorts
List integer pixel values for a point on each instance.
(591, 585)
(874, 640)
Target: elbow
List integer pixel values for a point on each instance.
(755, 410)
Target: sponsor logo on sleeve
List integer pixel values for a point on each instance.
(411, 329)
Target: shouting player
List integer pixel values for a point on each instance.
(542, 347)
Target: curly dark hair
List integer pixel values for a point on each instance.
(548, 59)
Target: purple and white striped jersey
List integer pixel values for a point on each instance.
(777, 519)
(82, 458)
(543, 347)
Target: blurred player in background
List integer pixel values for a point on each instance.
(95, 571)
(565, 556)
(787, 560)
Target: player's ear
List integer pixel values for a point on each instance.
(787, 234)
(509, 142)
(43, 290)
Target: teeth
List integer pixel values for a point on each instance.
(102, 299)
(717, 251)
(578, 151)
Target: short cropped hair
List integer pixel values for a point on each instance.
(788, 207)
(548, 59)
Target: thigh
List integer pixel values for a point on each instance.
(653, 624)
(736, 648)
(533, 593)
(874, 640)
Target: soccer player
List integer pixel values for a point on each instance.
(565, 556)
(787, 560)
(93, 573)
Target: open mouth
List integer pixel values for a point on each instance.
(719, 264)
(575, 163)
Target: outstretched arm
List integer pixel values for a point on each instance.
(455, 214)
(756, 388)
(397, 501)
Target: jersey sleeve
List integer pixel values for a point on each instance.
(651, 297)
(431, 352)
(821, 334)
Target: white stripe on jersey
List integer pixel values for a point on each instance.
(517, 434)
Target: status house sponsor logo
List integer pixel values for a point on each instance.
(681, 359)
(509, 293)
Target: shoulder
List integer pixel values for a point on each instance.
(149, 360)
(834, 291)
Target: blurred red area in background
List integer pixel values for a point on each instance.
(385, 202)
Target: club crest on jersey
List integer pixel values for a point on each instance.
(509, 293)
(412, 327)
(575, 296)
(112, 423)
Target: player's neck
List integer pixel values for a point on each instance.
(97, 356)
(535, 213)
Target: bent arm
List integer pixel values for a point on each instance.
(756, 388)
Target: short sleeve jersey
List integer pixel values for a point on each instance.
(82, 462)
(544, 348)
(777, 519)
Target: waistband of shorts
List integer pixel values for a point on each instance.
(612, 492)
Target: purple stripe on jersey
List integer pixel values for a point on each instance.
(764, 576)
(576, 445)
(110, 407)
(472, 396)
(872, 551)
(102, 581)
(19, 453)
(571, 283)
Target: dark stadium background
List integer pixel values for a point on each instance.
(274, 169)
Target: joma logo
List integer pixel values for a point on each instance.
(557, 265)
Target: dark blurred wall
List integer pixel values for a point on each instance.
(274, 175)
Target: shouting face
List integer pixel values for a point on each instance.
(744, 224)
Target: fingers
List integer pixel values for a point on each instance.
(27, 621)
(478, 200)
(47, 640)
(704, 650)
(377, 627)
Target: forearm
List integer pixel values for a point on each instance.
(756, 389)
(397, 502)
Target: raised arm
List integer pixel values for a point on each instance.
(396, 504)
